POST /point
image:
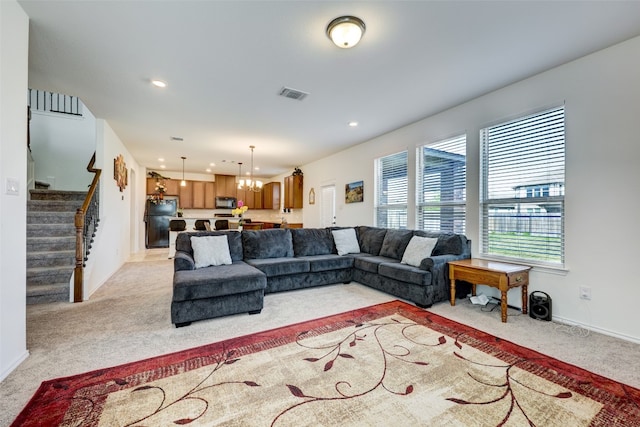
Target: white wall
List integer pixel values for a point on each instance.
(602, 94)
(62, 147)
(14, 46)
(113, 242)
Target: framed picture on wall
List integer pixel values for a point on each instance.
(353, 192)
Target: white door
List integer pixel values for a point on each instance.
(328, 206)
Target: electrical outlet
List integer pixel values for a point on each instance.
(585, 292)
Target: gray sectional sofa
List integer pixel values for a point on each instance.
(259, 262)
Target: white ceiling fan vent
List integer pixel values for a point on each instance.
(296, 94)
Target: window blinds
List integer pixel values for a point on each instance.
(522, 193)
(391, 190)
(441, 185)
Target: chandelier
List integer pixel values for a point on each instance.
(249, 184)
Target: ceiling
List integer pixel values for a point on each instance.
(226, 61)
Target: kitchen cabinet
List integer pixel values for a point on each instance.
(226, 186)
(186, 195)
(198, 189)
(209, 195)
(293, 197)
(171, 185)
(271, 196)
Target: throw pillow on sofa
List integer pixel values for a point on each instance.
(418, 249)
(346, 241)
(210, 250)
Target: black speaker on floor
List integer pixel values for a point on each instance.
(540, 305)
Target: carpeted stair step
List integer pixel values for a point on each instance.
(53, 205)
(50, 217)
(41, 244)
(40, 194)
(40, 294)
(51, 230)
(51, 259)
(48, 275)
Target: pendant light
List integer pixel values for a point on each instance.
(239, 179)
(250, 184)
(183, 183)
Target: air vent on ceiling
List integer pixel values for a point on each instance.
(288, 92)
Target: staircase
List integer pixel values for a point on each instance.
(51, 244)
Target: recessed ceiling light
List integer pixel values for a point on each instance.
(212, 164)
(162, 166)
(353, 124)
(159, 83)
(208, 169)
(161, 159)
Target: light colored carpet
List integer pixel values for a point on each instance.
(128, 319)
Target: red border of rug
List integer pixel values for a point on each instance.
(52, 399)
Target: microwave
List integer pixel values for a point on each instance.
(225, 202)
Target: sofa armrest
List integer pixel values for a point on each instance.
(439, 268)
(437, 261)
(183, 261)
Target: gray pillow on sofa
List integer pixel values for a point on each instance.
(270, 243)
(395, 242)
(370, 239)
(311, 241)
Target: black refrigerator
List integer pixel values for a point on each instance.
(157, 215)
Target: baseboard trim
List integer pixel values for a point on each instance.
(4, 374)
(602, 331)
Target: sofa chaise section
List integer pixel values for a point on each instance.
(214, 291)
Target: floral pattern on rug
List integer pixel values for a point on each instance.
(390, 364)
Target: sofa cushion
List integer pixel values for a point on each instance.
(405, 273)
(346, 241)
(280, 266)
(395, 242)
(311, 241)
(448, 243)
(271, 243)
(215, 281)
(183, 242)
(418, 249)
(371, 263)
(370, 239)
(328, 262)
(210, 250)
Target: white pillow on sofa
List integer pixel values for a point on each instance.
(418, 249)
(210, 250)
(346, 241)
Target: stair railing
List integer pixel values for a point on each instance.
(86, 221)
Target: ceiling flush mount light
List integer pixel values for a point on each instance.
(249, 184)
(183, 183)
(159, 83)
(346, 31)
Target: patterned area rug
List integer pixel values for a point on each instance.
(389, 364)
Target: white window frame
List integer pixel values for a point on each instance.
(518, 157)
(391, 192)
(441, 187)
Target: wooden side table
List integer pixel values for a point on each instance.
(495, 274)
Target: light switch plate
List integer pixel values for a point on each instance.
(12, 187)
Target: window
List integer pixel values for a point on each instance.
(441, 185)
(391, 190)
(522, 194)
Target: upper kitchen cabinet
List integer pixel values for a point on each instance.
(271, 196)
(186, 195)
(171, 186)
(225, 186)
(293, 198)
